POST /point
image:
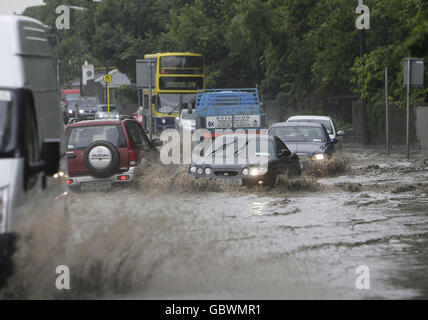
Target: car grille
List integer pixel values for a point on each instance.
(226, 173)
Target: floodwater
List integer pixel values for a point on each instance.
(179, 238)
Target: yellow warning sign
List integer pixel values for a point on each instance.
(107, 78)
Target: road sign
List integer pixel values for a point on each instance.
(146, 73)
(416, 72)
(108, 78)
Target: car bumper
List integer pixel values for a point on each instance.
(226, 174)
(79, 180)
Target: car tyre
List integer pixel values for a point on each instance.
(110, 168)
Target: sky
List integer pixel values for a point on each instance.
(11, 6)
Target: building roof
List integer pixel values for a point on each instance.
(118, 79)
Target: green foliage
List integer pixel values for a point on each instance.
(294, 50)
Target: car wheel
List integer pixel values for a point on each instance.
(101, 158)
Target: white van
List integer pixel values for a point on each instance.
(31, 127)
(324, 120)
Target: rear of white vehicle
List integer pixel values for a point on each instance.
(30, 128)
(326, 121)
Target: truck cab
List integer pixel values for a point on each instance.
(30, 129)
(229, 109)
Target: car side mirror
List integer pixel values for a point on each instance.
(49, 162)
(284, 153)
(51, 156)
(157, 142)
(340, 133)
(334, 140)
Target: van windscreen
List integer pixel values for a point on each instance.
(7, 137)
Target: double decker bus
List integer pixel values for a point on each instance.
(178, 77)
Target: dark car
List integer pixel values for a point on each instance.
(238, 166)
(105, 152)
(83, 108)
(308, 140)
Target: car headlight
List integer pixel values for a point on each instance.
(163, 121)
(318, 156)
(245, 171)
(200, 171)
(3, 209)
(258, 171)
(208, 171)
(117, 116)
(193, 169)
(101, 115)
(81, 111)
(70, 111)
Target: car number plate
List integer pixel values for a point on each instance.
(96, 186)
(232, 181)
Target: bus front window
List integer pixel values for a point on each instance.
(181, 65)
(173, 102)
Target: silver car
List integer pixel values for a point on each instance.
(102, 112)
(186, 121)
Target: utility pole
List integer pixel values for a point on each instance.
(58, 59)
(362, 40)
(386, 112)
(408, 110)
(150, 101)
(80, 66)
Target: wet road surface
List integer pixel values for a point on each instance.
(179, 239)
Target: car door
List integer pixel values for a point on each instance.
(139, 140)
(283, 157)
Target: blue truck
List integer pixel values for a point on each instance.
(229, 109)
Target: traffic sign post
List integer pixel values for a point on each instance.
(146, 79)
(107, 80)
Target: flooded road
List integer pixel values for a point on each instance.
(187, 239)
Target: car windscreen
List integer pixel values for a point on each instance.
(88, 104)
(71, 104)
(104, 109)
(173, 102)
(7, 136)
(244, 147)
(326, 123)
(299, 134)
(82, 137)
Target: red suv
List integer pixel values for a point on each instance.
(102, 153)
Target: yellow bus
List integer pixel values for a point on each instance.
(178, 77)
